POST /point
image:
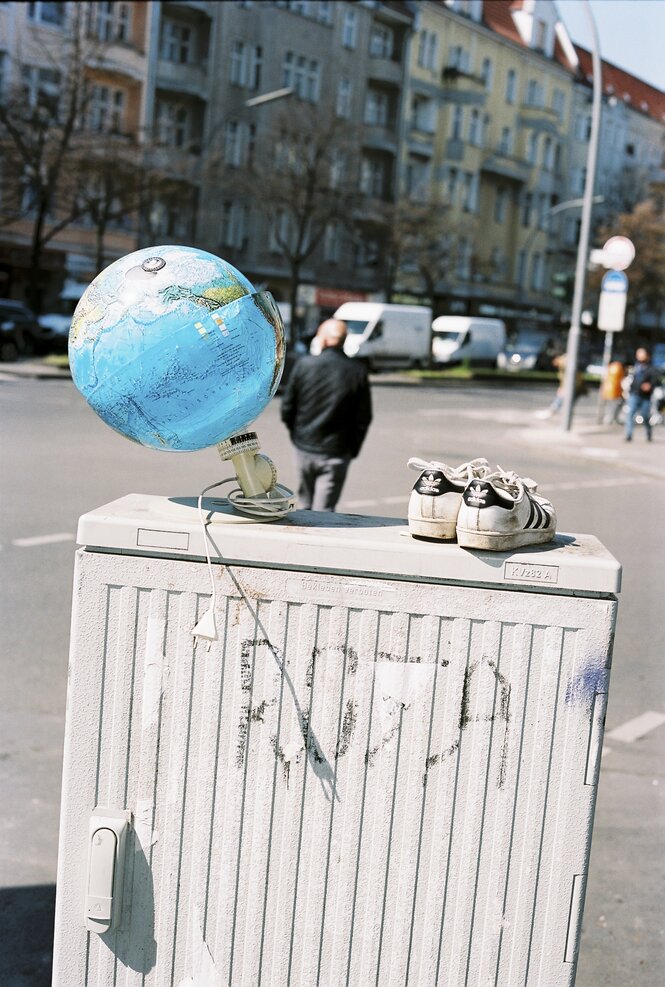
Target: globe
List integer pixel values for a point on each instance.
(172, 347)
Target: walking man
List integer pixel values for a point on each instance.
(327, 409)
(645, 378)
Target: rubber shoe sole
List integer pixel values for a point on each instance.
(497, 541)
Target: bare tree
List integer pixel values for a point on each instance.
(304, 168)
(41, 139)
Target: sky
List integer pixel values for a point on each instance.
(632, 33)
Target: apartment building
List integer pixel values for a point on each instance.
(344, 65)
(468, 117)
(488, 105)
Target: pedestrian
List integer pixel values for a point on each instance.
(644, 379)
(327, 409)
(559, 362)
(611, 391)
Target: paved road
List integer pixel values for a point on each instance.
(60, 461)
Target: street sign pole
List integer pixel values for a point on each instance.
(611, 316)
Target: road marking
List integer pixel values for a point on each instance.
(42, 540)
(637, 727)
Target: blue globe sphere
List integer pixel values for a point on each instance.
(173, 348)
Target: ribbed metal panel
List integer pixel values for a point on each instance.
(340, 790)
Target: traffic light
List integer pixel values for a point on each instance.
(563, 284)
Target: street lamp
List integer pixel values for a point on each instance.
(583, 244)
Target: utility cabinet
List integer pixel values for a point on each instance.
(382, 772)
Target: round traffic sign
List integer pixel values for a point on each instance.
(619, 253)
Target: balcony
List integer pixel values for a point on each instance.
(190, 79)
(540, 118)
(507, 166)
(385, 70)
(420, 141)
(381, 138)
(462, 87)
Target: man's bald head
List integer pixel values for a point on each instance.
(332, 332)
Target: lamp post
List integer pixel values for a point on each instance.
(583, 244)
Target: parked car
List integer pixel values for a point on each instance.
(527, 350)
(20, 331)
(470, 338)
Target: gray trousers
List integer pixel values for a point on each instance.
(320, 479)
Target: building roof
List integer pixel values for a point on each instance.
(498, 17)
(617, 82)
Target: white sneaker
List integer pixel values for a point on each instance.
(437, 495)
(501, 511)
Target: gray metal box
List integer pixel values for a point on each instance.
(384, 771)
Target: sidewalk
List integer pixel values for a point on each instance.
(600, 443)
(35, 368)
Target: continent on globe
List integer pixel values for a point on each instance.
(172, 347)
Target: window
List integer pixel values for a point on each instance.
(475, 127)
(464, 258)
(246, 65)
(548, 154)
(255, 67)
(520, 267)
(232, 146)
(532, 148)
(302, 75)
(109, 21)
(427, 50)
(332, 242)
(237, 63)
(511, 86)
(350, 29)
(486, 74)
(338, 168)
(559, 103)
(106, 109)
(583, 128)
(451, 185)
(372, 177)
(381, 41)
(527, 201)
(343, 107)
(537, 272)
(534, 93)
(423, 114)
(280, 231)
(172, 124)
(470, 191)
(458, 58)
(48, 13)
(498, 263)
(176, 42)
(540, 35)
(457, 122)
(234, 224)
(377, 108)
(418, 176)
(41, 87)
(500, 204)
(506, 142)
(544, 211)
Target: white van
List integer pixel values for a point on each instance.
(387, 335)
(467, 337)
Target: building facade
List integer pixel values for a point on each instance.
(451, 138)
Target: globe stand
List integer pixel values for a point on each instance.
(260, 496)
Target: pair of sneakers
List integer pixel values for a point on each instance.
(481, 507)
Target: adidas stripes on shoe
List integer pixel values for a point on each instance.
(437, 495)
(502, 510)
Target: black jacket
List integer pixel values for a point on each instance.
(326, 404)
(645, 378)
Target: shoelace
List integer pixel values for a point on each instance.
(509, 481)
(474, 469)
